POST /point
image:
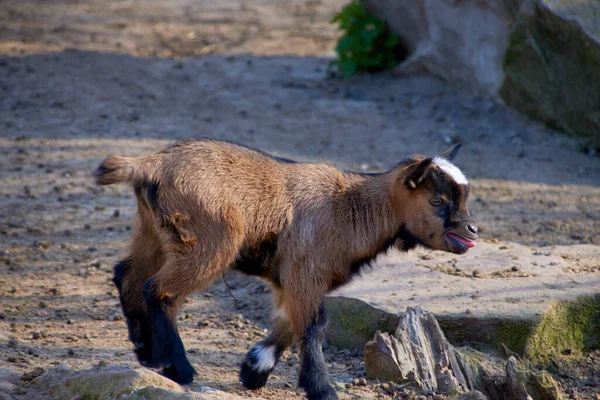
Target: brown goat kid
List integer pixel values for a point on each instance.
(206, 206)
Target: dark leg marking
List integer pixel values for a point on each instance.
(314, 377)
(140, 332)
(167, 347)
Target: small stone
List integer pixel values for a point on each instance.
(116, 317)
(203, 323)
(43, 305)
(70, 353)
(514, 268)
(102, 363)
(362, 382)
(31, 375)
(36, 335)
(476, 273)
(116, 213)
(348, 385)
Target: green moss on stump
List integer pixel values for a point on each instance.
(570, 325)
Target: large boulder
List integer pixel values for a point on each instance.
(552, 65)
(541, 56)
(457, 40)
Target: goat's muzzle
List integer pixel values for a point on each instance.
(462, 237)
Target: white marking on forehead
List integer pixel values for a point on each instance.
(451, 170)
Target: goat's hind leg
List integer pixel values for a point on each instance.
(129, 276)
(134, 310)
(165, 292)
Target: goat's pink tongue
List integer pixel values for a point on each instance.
(462, 240)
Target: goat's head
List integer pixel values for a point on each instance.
(438, 215)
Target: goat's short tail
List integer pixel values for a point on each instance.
(117, 169)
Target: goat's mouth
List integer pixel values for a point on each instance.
(460, 243)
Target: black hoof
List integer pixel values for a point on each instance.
(182, 374)
(251, 378)
(323, 393)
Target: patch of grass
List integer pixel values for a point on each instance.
(368, 45)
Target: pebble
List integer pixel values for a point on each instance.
(116, 316)
(36, 335)
(514, 268)
(203, 323)
(116, 213)
(31, 375)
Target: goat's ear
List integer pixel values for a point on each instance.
(451, 152)
(414, 177)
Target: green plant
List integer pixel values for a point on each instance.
(368, 45)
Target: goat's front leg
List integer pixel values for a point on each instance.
(314, 378)
(262, 358)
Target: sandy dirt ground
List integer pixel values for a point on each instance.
(80, 80)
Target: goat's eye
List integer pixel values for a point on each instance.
(437, 201)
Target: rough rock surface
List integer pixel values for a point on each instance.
(417, 353)
(462, 41)
(496, 293)
(111, 382)
(552, 65)
(523, 384)
(473, 395)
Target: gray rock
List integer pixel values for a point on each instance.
(524, 384)
(381, 360)
(473, 395)
(552, 65)
(111, 382)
